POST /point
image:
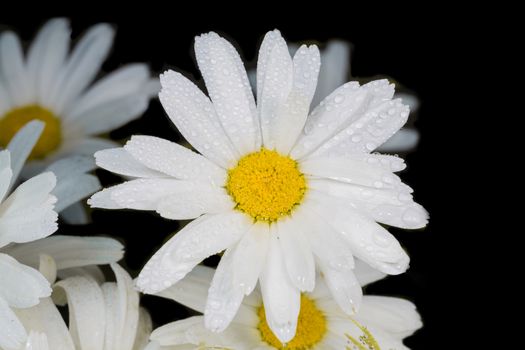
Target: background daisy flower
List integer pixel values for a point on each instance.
(322, 324)
(27, 216)
(55, 85)
(102, 315)
(281, 190)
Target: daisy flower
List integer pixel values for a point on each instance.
(101, 315)
(57, 86)
(280, 190)
(27, 215)
(322, 324)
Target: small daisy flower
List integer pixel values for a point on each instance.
(322, 324)
(28, 215)
(101, 315)
(282, 191)
(57, 86)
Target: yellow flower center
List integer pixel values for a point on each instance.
(311, 327)
(266, 185)
(16, 118)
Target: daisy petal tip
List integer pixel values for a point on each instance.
(285, 333)
(416, 217)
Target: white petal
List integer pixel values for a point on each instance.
(292, 114)
(22, 144)
(174, 160)
(229, 89)
(46, 57)
(91, 271)
(404, 140)
(82, 65)
(179, 335)
(122, 306)
(87, 318)
(325, 243)
(344, 287)
(37, 341)
(6, 174)
(144, 328)
(118, 160)
(74, 189)
(346, 105)
(335, 69)
(365, 274)
(274, 82)
(69, 251)
(201, 238)
(250, 257)
(73, 184)
(397, 316)
(88, 146)
(282, 300)
(46, 318)
(168, 197)
(109, 115)
(192, 204)
(224, 298)
(394, 207)
(194, 115)
(369, 241)
(192, 290)
(13, 333)
(27, 214)
(297, 253)
(22, 286)
(351, 170)
(12, 68)
(5, 100)
(125, 81)
(48, 268)
(373, 129)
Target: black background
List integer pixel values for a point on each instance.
(413, 50)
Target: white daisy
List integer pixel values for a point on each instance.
(101, 316)
(26, 216)
(322, 324)
(56, 86)
(280, 193)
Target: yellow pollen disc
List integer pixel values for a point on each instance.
(266, 185)
(15, 119)
(311, 327)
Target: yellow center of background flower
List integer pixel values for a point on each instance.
(266, 185)
(15, 119)
(311, 327)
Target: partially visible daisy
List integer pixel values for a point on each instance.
(28, 215)
(57, 86)
(101, 316)
(322, 324)
(280, 193)
(25, 215)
